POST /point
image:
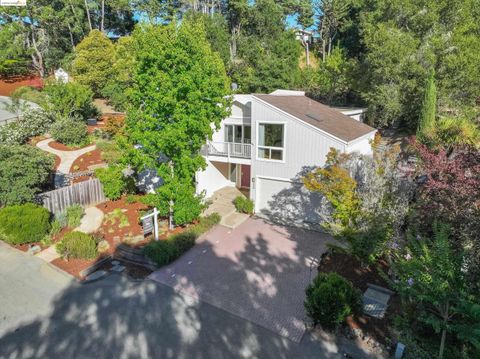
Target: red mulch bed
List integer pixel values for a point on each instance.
(92, 128)
(75, 266)
(84, 161)
(113, 234)
(61, 147)
(8, 85)
(360, 276)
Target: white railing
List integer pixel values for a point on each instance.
(229, 149)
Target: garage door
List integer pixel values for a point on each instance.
(288, 202)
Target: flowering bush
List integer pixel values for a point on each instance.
(33, 122)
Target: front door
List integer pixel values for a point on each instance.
(246, 176)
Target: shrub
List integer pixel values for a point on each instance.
(77, 245)
(24, 172)
(74, 215)
(109, 151)
(114, 125)
(114, 182)
(166, 251)
(330, 299)
(206, 223)
(70, 132)
(56, 227)
(69, 100)
(24, 223)
(243, 205)
(33, 122)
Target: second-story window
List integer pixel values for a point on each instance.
(271, 141)
(238, 134)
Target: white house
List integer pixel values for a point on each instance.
(269, 142)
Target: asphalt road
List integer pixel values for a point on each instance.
(45, 314)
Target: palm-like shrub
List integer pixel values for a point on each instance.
(25, 223)
(331, 299)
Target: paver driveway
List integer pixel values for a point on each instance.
(257, 271)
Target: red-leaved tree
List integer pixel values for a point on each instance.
(450, 193)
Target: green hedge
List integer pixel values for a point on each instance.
(70, 132)
(243, 205)
(331, 299)
(25, 223)
(77, 245)
(166, 251)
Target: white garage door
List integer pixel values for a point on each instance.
(287, 202)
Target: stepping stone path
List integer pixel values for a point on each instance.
(222, 203)
(49, 254)
(66, 160)
(375, 301)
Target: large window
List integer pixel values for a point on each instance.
(271, 139)
(238, 134)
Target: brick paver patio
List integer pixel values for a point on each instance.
(257, 271)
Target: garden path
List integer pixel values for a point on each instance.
(66, 159)
(222, 203)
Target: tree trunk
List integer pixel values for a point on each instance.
(37, 56)
(171, 203)
(102, 27)
(71, 36)
(88, 15)
(444, 332)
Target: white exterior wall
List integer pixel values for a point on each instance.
(362, 145)
(277, 189)
(213, 178)
(241, 114)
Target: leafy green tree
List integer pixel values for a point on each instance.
(332, 82)
(68, 100)
(430, 275)
(116, 89)
(180, 92)
(24, 172)
(427, 122)
(93, 63)
(14, 59)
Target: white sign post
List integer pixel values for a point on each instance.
(154, 214)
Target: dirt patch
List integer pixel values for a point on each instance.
(61, 147)
(350, 268)
(91, 128)
(8, 85)
(75, 266)
(84, 161)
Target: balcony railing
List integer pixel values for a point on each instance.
(228, 149)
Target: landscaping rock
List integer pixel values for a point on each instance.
(34, 249)
(103, 246)
(118, 268)
(96, 276)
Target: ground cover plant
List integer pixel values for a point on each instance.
(74, 215)
(244, 205)
(166, 251)
(21, 224)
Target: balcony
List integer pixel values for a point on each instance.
(228, 150)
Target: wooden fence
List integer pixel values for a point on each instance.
(87, 193)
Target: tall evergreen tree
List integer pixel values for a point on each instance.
(426, 125)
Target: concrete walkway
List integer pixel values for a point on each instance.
(222, 203)
(66, 159)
